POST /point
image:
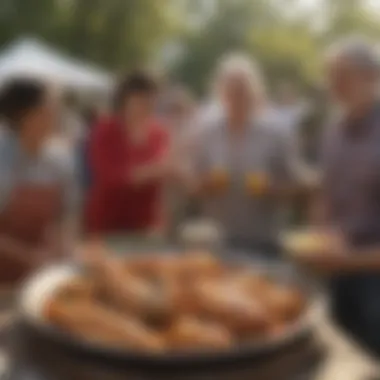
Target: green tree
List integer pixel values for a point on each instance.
(115, 33)
(350, 16)
(289, 53)
(284, 47)
(227, 30)
(24, 18)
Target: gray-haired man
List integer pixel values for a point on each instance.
(352, 191)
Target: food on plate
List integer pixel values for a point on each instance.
(252, 284)
(232, 307)
(79, 287)
(192, 333)
(187, 302)
(95, 322)
(306, 242)
(283, 303)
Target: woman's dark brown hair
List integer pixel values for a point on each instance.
(19, 96)
(135, 83)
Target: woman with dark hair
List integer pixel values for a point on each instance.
(129, 163)
(35, 183)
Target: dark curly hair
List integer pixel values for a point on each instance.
(135, 83)
(19, 96)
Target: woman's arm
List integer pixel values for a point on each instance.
(162, 165)
(113, 172)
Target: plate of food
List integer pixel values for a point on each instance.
(167, 308)
(305, 243)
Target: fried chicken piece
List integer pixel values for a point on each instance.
(181, 296)
(200, 263)
(95, 322)
(240, 313)
(189, 333)
(251, 284)
(77, 288)
(126, 291)
(277, 330)
(148, 266)
(284, 302)
(133, 294)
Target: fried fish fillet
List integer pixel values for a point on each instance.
(191, 333)
(95, 322)
(240, 313)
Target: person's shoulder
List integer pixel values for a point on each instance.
(7, 146)
(104, 127)
(58, 155)
(3, 143)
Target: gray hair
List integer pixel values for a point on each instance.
(241, 64)
(359, 51)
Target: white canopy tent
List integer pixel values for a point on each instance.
(30, 57)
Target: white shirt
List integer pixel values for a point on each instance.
(289, 116)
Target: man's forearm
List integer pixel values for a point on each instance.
(366, 260)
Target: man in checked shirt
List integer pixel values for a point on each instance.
(351, 192)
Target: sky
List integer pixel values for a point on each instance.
(373, 4)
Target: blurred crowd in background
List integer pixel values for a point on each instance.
(87, 138)
(153, 155)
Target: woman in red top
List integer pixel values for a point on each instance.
(129, 163)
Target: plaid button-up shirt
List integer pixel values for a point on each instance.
(352, 177)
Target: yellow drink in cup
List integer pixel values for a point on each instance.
(256, 183)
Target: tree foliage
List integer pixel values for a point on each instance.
(284, 37)
(286, 40)
(115, 33)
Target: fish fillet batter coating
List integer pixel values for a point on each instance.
(98, 323)
(237, 311)
(191, 333)
(159, 303)
(127, 292)
(284, 303)
(77, 288)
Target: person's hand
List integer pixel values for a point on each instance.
(166, 169)
(216, 182)
(257, 184)
(331, 257)
(328, 263)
